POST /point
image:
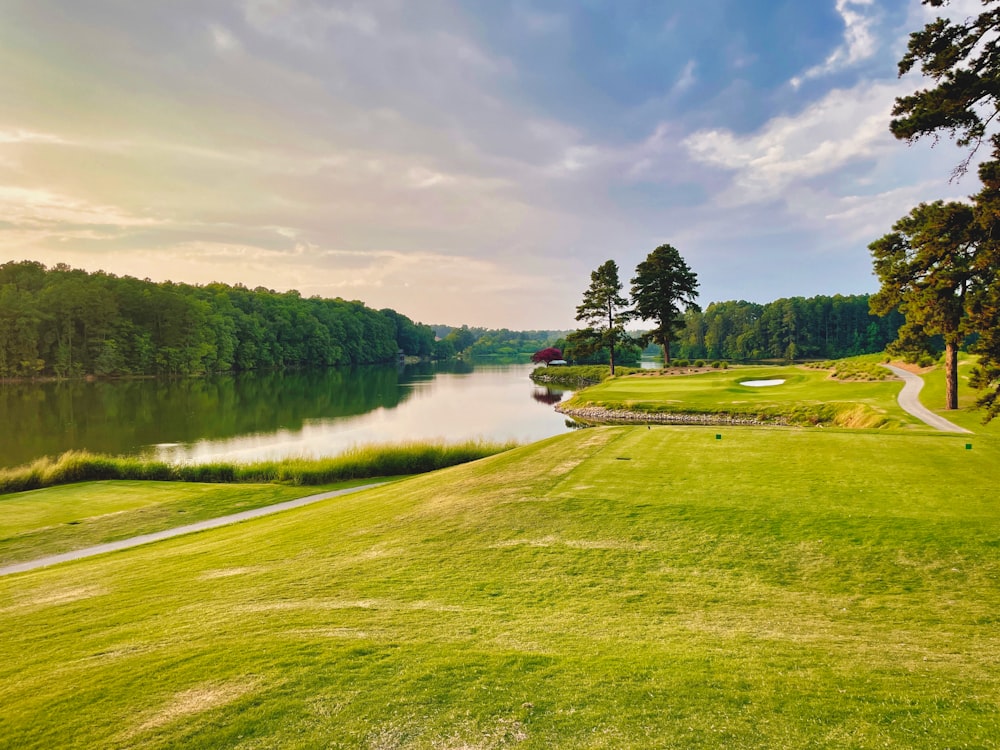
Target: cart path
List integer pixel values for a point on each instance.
(209, 523)
(910, 403)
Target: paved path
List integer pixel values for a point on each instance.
(210, 523)
(910, 403)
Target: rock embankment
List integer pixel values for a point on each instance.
(615, 416)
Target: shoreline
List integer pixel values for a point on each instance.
(602, 415)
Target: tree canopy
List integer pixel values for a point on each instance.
(821, 327)
(662, 284)
(963, 61)
(67, 322)
(604, 310)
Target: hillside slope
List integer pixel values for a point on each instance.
(619, 587)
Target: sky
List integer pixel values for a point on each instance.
(462, 162)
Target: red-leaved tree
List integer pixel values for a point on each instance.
(546, 355)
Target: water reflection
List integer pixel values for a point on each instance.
(547, 395)
(271, 415)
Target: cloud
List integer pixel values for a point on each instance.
(18, 135)
(859, 42)
(843, 127)
(304, 23)
(32, 208)
(224, 40)
(686, 79)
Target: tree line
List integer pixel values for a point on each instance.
(500, 344)
(66, 322)
(820, 327)
(664, 290)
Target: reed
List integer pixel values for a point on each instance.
(357, 463)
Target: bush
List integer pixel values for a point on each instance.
(716, 364)
(680, 363)
(699, 363)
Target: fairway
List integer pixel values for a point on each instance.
(803, 396)
(618, 587)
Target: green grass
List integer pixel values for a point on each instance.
(933, 397)
(861, 367)
(356, 463)
(69, 517)
(577, 375)
(807, 396)
(609, 588)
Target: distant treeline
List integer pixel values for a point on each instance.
(498, 343)
(793, 328)
(67, 322)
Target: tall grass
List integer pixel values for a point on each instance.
(357, 463)
(865, 367)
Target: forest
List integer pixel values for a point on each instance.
(819, 327)
(66, 322)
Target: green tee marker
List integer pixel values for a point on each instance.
(718, 437)
(968, 446)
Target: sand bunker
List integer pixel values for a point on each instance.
(762, 383)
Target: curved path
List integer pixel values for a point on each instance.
(910, 403)
(210, 523)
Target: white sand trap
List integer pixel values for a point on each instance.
(762, 383)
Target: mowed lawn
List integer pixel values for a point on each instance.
(619, 587)
(933, 397)
(69, 517)
(722, 391)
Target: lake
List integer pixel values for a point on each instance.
(250, 416)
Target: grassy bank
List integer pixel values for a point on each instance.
(933, 397)
(70, 517)
(357, 463)
(609, 588)
(806, 397)
(578, 376)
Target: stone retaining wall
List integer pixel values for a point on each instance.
(614, 416)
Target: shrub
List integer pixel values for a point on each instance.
(699, 363)
(680, 363)
(716, 364)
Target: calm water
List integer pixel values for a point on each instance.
(275, 415)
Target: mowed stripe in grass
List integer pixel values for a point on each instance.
(611, 588)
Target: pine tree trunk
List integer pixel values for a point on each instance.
(666, 354)
(951, 374)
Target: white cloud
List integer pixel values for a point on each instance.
(844, 126)
(859, 41)
(33, 208)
